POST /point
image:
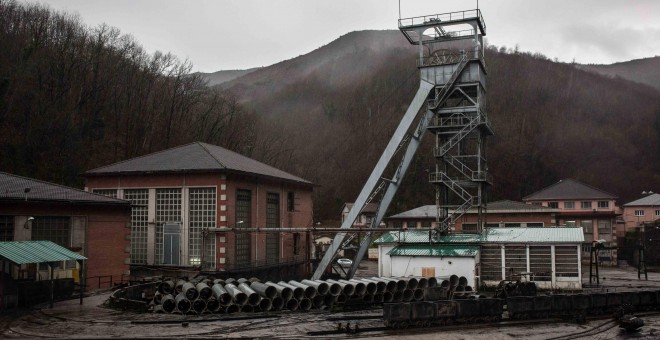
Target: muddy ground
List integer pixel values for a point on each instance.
(68, 319)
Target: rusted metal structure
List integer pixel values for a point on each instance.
(450, 104)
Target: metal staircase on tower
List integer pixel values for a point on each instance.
(449, 104)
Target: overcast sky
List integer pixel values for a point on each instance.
(239, 34)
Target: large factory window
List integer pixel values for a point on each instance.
(106, 192)
(168, 209)
(243, 213)
(202, 209)
(540, 262)
(56, 229)
(566, 261)
(272, 221)
(491, 263)
(139, 223)
(515, 261)
(6, 228)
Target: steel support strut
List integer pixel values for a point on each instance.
(407, 121)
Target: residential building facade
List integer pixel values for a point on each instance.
(199, 206)
(505, 213)
(640, 211)
(581, 205)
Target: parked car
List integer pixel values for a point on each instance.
(346, 263)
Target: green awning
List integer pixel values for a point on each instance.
(24, 252)
(434, 250)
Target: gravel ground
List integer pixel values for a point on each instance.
(70, 320)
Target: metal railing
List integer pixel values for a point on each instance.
(445, 17)
(449, 57)
(105, 281)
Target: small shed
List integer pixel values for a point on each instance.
(549, 256)
(33, 252)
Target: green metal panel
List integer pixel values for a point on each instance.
(434, 250)
(23, 252)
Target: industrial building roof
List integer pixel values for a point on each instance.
(501, 207)
(16, 188)
(368, 208)
(24, 252)
(193, 157)
(434, 250)
(491, 235)
(569, 189)
(650, 200)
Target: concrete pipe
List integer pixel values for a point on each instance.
(298, 292)
(183, 305)
(221, 294)
(371, 286)
(359, 287)
(432, 282)
(158, 297)
(264, 290)
(418, 294)
(380, 285)
(388, 297)
(198, 306)
(468, 288)
(334, 288)
(168, 303)
(462, 281)
(158, 309)
(397, 296)
(218, 281)
(213, 305)
(247, 308)
(422, 282)
(253, 297)
(285, 293)
(453, 281)
(346, 289)
(378, 298)
(305, 304)
(191, 292)
(292, 305)
(265, 304)
(277, 303)
(310, 291)
(329, 300)
(411, 281)
(204, 290)
(401, 285)
(231, 309)
(254, 279)
(178, 287)
(321, 287)
(231, 280)
(445, 284)
(237, 295)
(317, 301)
(341, 298)
(368, 298)
(166, 287)
(458, 291)
(408, 295)
(390, 286)
(243, 280)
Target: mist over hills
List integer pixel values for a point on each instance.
(73, 98)
(338, 105)
(645, 71)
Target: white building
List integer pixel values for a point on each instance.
(549, 256)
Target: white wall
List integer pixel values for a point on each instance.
(444, 266)
(384, 261)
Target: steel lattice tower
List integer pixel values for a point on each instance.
(449, 103)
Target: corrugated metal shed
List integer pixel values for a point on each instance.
(24, 252)
(492, 235)
(434, 250)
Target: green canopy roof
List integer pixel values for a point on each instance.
(434, 250)
(24, 252)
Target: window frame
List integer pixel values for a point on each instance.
(569, 205)
(585, 204)
(639, 213)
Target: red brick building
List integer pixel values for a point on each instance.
(92, 225)
(197, 206)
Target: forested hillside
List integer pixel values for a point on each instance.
(645, 71)
(73, 98)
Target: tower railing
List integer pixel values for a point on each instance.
(444, 17)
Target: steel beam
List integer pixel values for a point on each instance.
(407, 121)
